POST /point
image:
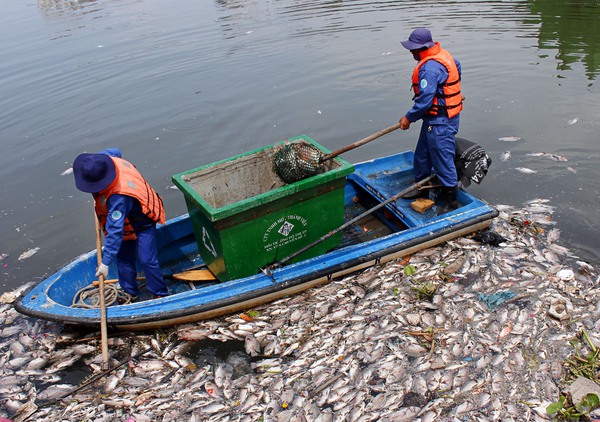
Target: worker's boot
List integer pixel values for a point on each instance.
(423, 191)
(446, 199)
(417, 193)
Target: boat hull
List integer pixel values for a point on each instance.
(51, 299)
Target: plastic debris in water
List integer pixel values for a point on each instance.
(489, 237)
(525, 170)
(493, 300)
(566, 274)
(28, 254)
(509, 139)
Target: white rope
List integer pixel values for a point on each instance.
(89, 296)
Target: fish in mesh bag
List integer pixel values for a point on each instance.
(297, 161)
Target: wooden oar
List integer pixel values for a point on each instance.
(103, 329)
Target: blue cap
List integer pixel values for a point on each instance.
(93, 172)
(419, 38)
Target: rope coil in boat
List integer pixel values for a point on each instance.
(89, 296)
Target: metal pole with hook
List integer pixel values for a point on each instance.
(268, 270)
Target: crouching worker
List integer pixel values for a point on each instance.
(128, 210)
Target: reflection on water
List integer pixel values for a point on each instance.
(571, 28)
(178, 86)
(58, 9)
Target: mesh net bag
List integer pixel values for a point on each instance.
(297, 161)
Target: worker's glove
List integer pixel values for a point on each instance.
(102, 270)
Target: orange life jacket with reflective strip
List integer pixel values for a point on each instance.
(128, 181)
(452, 95)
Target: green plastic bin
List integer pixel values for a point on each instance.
(244, 217)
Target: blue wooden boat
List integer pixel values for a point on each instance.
(393, 231)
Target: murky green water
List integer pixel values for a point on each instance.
(179, 85)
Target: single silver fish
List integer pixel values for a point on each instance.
(55, 391)
(28, 254)
(555, 157)
(505, 156)
(509, 139)
(525, 170)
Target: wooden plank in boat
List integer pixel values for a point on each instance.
(194, 275)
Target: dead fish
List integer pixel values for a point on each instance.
(505, 156)
(572, 121)
(84, 349)
(42, 376)
(37, 363)
(525, 170)
(67, 171)
(28, 254)
(212, 389)
(509, 139)
(60, 365)
(195, 334)
(346, 342)
(553, 235)
(111, 382)
(555, 157)
(148, 366)
(252, 345)
(55, 391)
(10, 330)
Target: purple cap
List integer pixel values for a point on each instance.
(419, 38)
(93, 172)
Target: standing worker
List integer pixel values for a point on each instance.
(438, 102)
(128, 210)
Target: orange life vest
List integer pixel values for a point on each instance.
(128, 181)
(451, 88)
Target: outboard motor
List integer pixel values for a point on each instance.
(471, 161)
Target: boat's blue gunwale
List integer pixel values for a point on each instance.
(235, 291)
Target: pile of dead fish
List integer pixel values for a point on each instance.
(488, 344)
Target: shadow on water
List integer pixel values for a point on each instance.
(214, 352)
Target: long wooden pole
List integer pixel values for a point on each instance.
(360, 143)
(103, 329)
